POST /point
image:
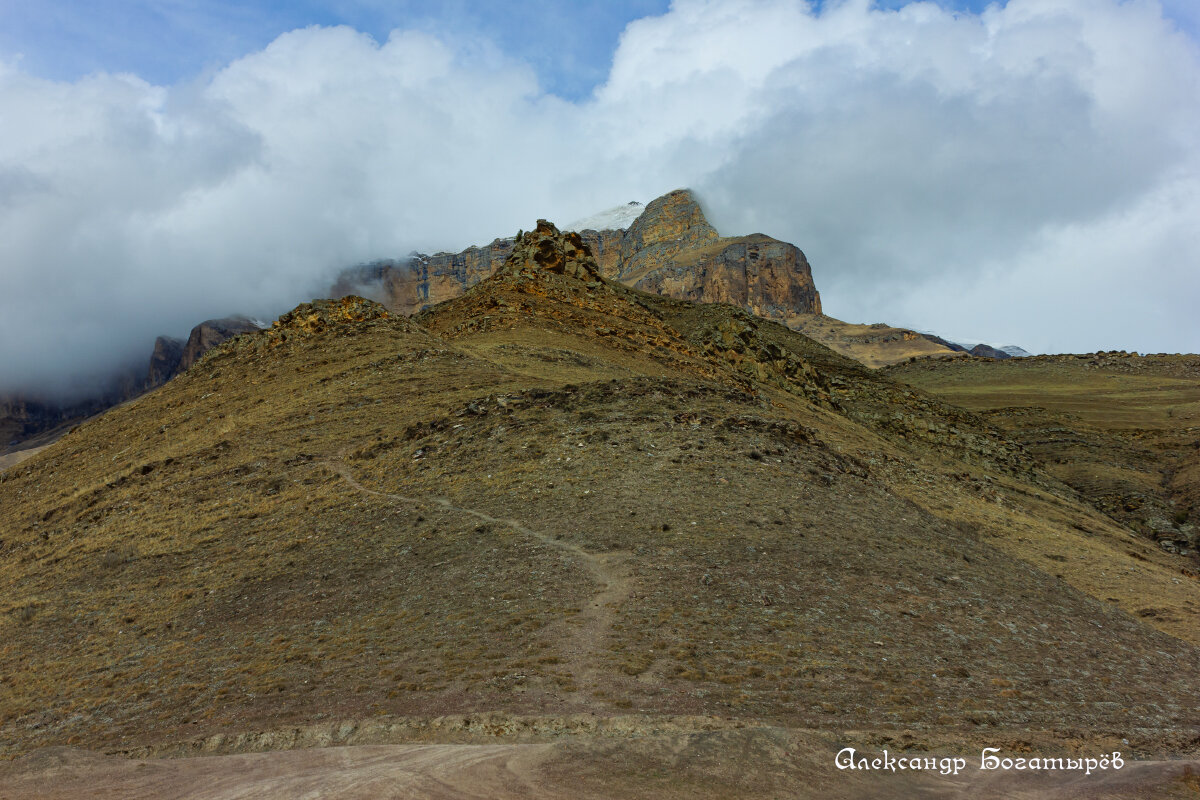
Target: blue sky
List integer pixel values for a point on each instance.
(1027, 176)
(166, 41)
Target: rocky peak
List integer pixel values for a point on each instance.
(672, 250)
(670, 224)
(546, 249)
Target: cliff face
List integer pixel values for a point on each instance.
(765, 276)
(31, 421)
(22, 417)
(671, 249)
(27, 422)
(209, 334)
(671, 227)
(164, 360)
(428, 280)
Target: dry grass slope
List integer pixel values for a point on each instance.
(557, 496)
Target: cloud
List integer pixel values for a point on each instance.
(1030, 173)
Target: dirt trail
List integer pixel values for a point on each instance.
(723, 765)
(12, 459)
(610, 571)
(441, 772)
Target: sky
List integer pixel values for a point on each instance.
(1023, 172)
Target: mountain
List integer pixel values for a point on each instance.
(165, 360)
(32, 421)
(979, 350)
(987, 351)
(874, 345)
(29, 420)
(663, 539)
(668, 247)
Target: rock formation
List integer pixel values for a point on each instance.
(546, 248)
(172, 356)
(671, 249)
(310, 319)
(31, 421)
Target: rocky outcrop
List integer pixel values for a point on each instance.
(311, 319)
(547, 249)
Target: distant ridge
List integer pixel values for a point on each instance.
(981, 350)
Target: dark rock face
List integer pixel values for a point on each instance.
(27, 421)
(164, 361)
(209, 334)
(22, 418)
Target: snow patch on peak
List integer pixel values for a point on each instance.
(617, 218)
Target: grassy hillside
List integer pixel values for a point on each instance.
(557, 496)
(1122, 429)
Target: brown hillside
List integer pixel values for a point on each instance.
(556, 500)
(1122, 429)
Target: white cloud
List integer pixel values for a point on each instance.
(1030, 173)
